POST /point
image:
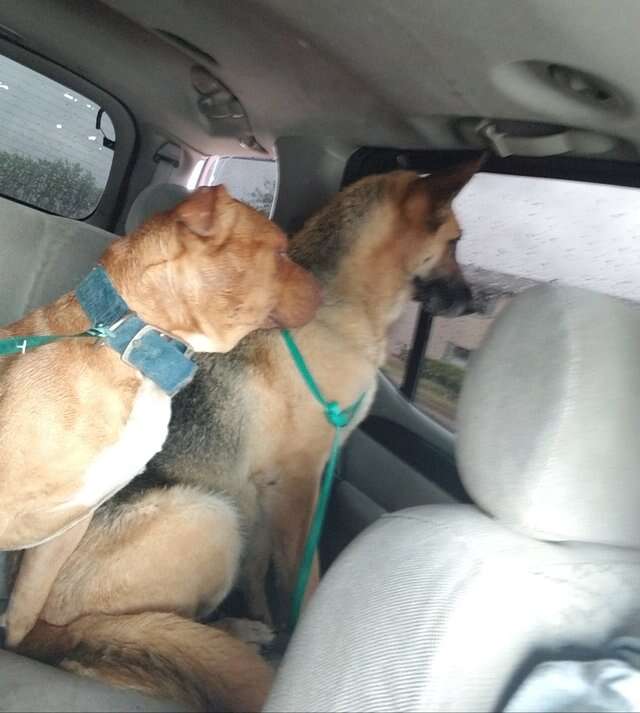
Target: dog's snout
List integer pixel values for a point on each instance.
(444, 298)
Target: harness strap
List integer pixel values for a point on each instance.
(156, 354)
(19, 345)
(339, 418)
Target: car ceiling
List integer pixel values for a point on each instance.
(398, 73)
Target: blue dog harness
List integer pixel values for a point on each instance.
(157, 355)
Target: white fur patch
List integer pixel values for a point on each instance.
(202, 343)
(142, 437)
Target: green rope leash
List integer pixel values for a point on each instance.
(10, 346)
(339, 418)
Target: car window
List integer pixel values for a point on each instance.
(52, 156)
(250, 180)
(519, 232)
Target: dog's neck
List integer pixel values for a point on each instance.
(361, 315)
(364, 291)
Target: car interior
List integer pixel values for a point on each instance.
(484, 515)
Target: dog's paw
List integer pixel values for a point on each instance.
(254, 633)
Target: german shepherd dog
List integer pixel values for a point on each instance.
(235, 487)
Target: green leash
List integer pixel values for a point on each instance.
(339, 418)
(11, 346)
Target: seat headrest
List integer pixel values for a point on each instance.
(153, 199)
(549, 418)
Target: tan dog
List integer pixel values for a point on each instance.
(76, 422)
(248, 427)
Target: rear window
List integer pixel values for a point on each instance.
(250, 180)
(52, 156)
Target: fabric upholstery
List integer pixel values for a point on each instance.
(443, 607)
(609, 683)
(153, 199)
(440, 608)
(27, 685)
(41, 257)
(549, 415)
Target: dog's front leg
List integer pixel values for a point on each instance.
(39, 568)
(292, 504)
(255, 570)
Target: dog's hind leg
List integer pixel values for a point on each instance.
(123, 603)
(171, 550)
(39, 568)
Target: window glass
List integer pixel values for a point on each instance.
(51, 154)
(250, 180)
(519, 232)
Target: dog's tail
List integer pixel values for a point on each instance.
(161, 655)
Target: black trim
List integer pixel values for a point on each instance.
(424, 457)
(418, 346)
(367, 161)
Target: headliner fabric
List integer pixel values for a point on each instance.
(42, 256)
(440, 608)
(27, 685)
(549, 418)
(153, 199)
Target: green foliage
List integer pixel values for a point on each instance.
(57, 186)
(447, 375)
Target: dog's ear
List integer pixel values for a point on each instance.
(201, 210)
(442, 187)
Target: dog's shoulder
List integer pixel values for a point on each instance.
(208, 433)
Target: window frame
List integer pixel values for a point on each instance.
(366, 161)
(419, 341)
(106, 212)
